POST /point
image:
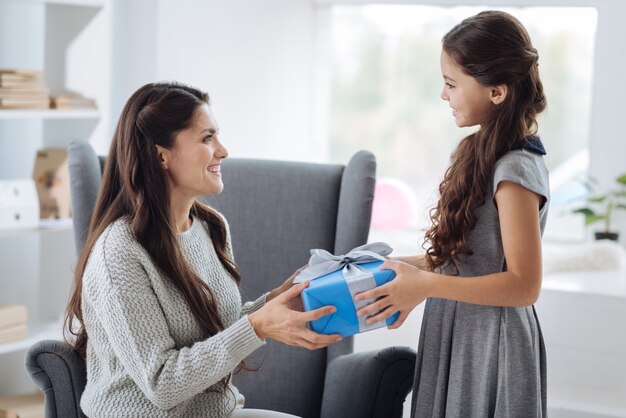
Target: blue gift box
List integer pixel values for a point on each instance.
(332, 289)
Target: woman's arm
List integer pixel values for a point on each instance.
(518, 209)
(127, 308)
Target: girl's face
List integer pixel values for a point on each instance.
(471, 102)
(193, 163)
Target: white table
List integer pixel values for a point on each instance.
(583, 319)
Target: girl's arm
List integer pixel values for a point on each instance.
(254, 306)
(518, 209)
(415, 260)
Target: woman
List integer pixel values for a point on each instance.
(156, 294)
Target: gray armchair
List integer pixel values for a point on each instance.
(277, 211)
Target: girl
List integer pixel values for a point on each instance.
(481, 352)
(156, 290)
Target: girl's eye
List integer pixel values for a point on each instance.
(450, 86)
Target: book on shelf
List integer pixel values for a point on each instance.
(24, 103)
(23, 89)
(24, 93)
(11, 314)
(20, 73)
(22, 406)
(21, 78)
(13, 333)
(22, 84)
(71, 101)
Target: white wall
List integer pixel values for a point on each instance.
(133, 57)
(254, 58)
(608, 137)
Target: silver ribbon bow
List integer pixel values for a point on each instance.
(358, 279)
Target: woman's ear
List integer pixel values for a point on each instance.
(497, 94)
(163, 154)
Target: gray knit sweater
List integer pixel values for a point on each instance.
(146, 355)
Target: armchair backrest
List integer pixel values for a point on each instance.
(277, 211)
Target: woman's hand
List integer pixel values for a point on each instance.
(407, 290)
(278, 321)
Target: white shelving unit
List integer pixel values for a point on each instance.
(39, 331)
(64, 38)
(69, 114)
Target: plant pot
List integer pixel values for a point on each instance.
(613, 236)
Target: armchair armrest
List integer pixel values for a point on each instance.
(371, 384)
(60, 374)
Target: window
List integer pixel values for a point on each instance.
(383, 84)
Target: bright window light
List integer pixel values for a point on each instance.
(383, 84)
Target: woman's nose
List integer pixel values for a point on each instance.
(221, 152)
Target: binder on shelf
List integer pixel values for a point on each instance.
(11, 314)
(19, 204)
(22, 406)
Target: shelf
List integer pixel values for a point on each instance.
(36, 332)
(50, 114)
(83, 3)
(45, 226)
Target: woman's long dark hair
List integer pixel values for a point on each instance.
(134, 185)
(495, 49)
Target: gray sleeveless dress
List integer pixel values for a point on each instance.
(485, 361)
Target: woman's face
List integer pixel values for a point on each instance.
(470, 101)
(193, 163)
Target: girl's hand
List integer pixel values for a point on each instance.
(276, 320)
(402, 294)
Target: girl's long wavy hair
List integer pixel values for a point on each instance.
(495, 49)
(134, 185)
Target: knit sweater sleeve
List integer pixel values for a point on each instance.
(136, 327)
(251, 306)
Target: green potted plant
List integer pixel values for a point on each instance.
(600, 207)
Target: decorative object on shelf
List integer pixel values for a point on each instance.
(600, 207)
(51, 176)
(22, 406)
(19, 204)
(23, 89)
(12, 323)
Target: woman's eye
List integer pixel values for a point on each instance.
(450, 86)
(207, 138)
